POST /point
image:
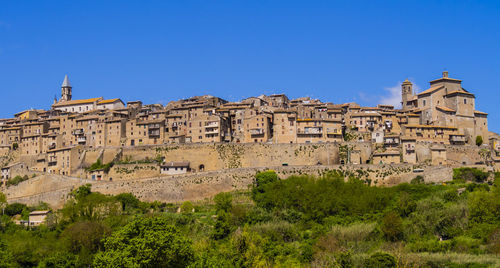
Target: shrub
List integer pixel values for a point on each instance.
(469, 174)
(128, 201)
(392, 226)
(146, 242)
(466, 244)
(318, 198)
(380, 259)
(99, 165)
(417, 180)
(15, 209)
(479, 140)
(223, 202)
(16, 180)
(187, 207)
(450, 195)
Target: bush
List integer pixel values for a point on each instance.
(318, 198)
(146, 242)
(382, 260)
(466, 244)
(187, 207)
(431, 245)
(392, 227)
(417, 180)
(99, 165)
(479, 140)
(16, 180)
(469, 174)
(15, 209)
(128, 201)
(450, 195)
(223, 202)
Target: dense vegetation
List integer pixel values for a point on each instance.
(301, 221)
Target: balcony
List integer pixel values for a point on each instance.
(78, 132)
(154, 133)
(211, 131)
(81, 140)
(52, 146)
(391, 141)
(314, 131)
(457, 139)
(154, 126)
(212, 124)
(257, 131)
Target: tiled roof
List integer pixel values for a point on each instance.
(446, 109)
(109, 101)
(459, 92)
(430, 126)
(76, 102)
(430, 90)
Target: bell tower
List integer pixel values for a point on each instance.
(406, 94)
(66, 89)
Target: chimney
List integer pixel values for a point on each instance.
(445, 74)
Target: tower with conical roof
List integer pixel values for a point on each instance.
(66, 89)
(406, 93)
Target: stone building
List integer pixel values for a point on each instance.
(446, 104)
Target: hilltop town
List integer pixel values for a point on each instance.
(60, 140)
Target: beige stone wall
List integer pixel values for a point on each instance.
(195, 186)
(132, 171)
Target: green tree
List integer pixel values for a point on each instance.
(381, 260)
(82, 191)
(223, 202)
(392, 226)
(187, 207)
(128, 201)
(262, 179)
(59, 259)
(479, 140)
(146, 242)
(222, 227)
(90, 206)
(3, 202)
(15, 208)
(85, 236)
(6, 258)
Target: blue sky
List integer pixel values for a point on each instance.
(157, 51)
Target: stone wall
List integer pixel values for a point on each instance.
(195, 186)
(133, 171)
(210, 157)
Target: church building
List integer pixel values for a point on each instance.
(67, 104)
(446, 104)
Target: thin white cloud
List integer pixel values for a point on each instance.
(393, 95)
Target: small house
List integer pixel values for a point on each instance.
(438, 155)
(38, 217)
(174, 168)
(98, 174)
(387, 157)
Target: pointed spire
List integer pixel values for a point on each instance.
(66, 82)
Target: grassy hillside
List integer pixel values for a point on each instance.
(302, 221)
